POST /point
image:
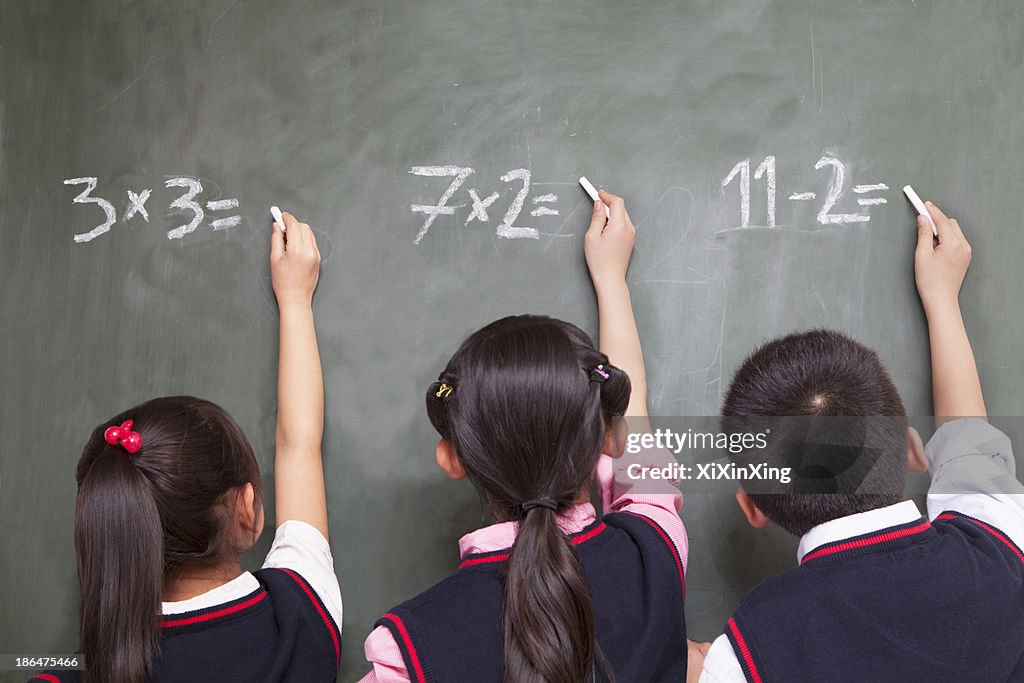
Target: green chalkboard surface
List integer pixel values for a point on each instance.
(761, 144)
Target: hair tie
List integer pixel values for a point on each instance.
(549, 503)
(444, 391)
(124, 436)
(599, 374)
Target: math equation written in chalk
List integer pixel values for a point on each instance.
(518, 180)
(186, 203)
(867, 194)
(464, 202)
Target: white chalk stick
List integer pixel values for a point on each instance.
(592, 191)
(276, 213)
(919, 205)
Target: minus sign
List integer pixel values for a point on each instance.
(802, 196)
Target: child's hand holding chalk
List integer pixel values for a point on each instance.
(294, 262)
(609, 241)
(921, 208)
(940, 264)
(278, 218)
(594, 196)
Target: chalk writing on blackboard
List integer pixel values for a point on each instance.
(836, 188)
(183, 204)
(507, 228)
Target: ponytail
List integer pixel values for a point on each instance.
(152, 503)
(527, 401)
(119, 544)
(548, 615)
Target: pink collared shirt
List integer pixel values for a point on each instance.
(658, 500)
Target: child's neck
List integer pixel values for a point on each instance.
(190, 582)
(582, 497)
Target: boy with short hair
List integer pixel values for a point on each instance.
(882, 593)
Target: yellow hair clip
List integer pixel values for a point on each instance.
(444, 391)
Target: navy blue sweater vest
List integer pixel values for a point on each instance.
(942, 603)
(279, 633)
(451, 633)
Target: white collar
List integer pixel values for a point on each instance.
(855, 525)
(238, 587)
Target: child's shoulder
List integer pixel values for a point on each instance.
(291, 593)
(288, 588)
(646, 532)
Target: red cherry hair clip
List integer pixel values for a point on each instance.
(123, 435)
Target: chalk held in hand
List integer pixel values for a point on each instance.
(592, 191)
(919, 205)
(276, 213)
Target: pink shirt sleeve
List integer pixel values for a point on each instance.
(382, 652)
(656, 499)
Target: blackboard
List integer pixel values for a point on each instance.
(341, 111)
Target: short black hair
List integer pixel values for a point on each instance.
(814, 380)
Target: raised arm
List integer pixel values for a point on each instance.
(608, 246)
(298, 467)
(940, 265)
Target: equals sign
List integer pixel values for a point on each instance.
(223, 205)
(543, 210)
(870, 201)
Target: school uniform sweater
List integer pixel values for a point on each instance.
(284, 629)
(452, 632)
(633, 560)
(888, 595)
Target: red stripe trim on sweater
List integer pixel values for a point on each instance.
(992, 530)
(580, 538)
(671, 546)
(576, 540)
(870, 540)
(745, 651)
(199, 618)
(417, 667)
(483, 560)
(46, 677)
(320, 610)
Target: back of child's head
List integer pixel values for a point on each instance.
(143, 516)
(526, 402)
(842, 428)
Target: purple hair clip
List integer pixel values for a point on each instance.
(599, 374)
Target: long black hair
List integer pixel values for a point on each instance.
(141, 517)
(527, 414)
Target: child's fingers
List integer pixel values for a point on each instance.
(294, 234)
(302, 230)
(276, 243)
(597, 218)
(629, 221)
(616, 204)
(313, 244)
(925, 238)
(957, 230)
(941, 222)
(309, 240)
(306, 233)
(288, 220)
